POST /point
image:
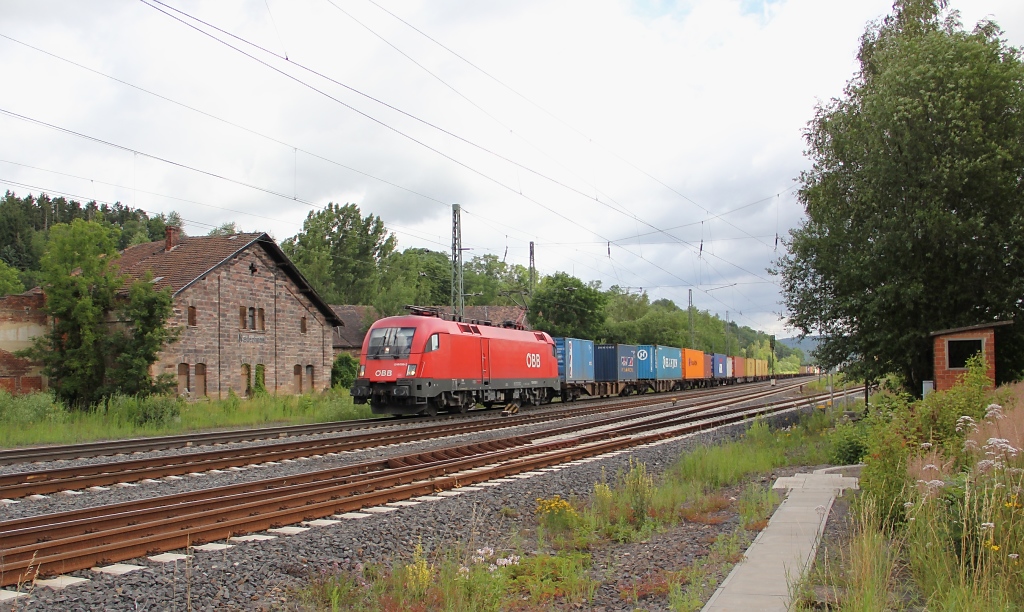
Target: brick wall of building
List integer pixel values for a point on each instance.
(946, 378)
(21, 320)
(218, 341)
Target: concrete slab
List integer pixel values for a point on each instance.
(6, 595)
(471, 488)
(449, 493)
(235, 468)
(168, 557)
(71, 492)
(174, 478)
(380, 509)
(118, 569)
(254, 537)
(426, 498)
(37, 497)
(8, 502)
(353, 515)
(212, 547)
(60, 582)
(320, 523)
(501, 480)
(403, 503)
(288, 530)
(488, 484)
(784, 549)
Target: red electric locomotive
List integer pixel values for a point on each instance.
(423, 364)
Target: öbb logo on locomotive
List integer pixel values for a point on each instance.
(533, 360)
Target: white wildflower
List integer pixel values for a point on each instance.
(935, 484)
(994, 412)
(477, 559)
(970, 445)
(987, 526)
(1013, 556)
(965, 423)
(492, 567)
(908, 505)
(930, 466)
(463, 571)
(486, 551)
(926, 445)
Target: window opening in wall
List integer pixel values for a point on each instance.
(297, 375)
(302, 325)
(247, 379)
(309, 378)
(261, 319)
(241, 317)
(192, 316)
(183, 379)
(260, 385)
(200, 388)
(959, 351)
(252, 318)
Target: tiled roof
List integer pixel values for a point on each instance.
(351, 335)
(193, 257)
(188, 261)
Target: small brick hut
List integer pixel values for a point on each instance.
(953, 347)
(245, 312)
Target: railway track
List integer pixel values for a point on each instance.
(72, 478)
(157, 443)
(83, 538)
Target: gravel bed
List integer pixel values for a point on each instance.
(263, 575)
(61, 502)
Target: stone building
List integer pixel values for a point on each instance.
(21, 320)
(248, 317)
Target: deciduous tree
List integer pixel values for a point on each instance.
(915, 212)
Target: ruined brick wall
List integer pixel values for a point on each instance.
(219, 342)
(21, 320)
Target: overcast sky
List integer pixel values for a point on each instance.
(671, 130)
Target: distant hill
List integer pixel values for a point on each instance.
(808, 345)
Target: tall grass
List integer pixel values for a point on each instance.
(38, 418)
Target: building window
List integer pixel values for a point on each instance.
(192, 316)
(183, 381)
(247, 379)
(297, 375)
(241, 317)
(261, 319)
(302, 325)
(309, 378)
(200, 388)
(252, 318)
(959, 351)
(260, 385)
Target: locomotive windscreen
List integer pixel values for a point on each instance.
(393, 342)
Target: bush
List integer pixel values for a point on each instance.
(848, 445)
(29, 408)
(344, 370)
(143, 411)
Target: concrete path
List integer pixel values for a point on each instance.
(785, 548)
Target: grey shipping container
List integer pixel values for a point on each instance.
(615, 362)
(668, 363)
(575, 359)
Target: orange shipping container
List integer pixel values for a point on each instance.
(739, 367)
(693, 364)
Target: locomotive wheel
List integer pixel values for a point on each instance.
(430, 410)
(460, 409)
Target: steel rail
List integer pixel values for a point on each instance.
(41, 482)
(156, 443)
(24, 562)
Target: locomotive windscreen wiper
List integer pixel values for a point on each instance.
(390, 342)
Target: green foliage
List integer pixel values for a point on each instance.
(563, 305)
(259, 386)
(342, 253)
(101, 343)
(21, 410)
(756, 504)
(344, 370)
(148, 411)
(915, 217)
(848, 444)
(9, 281)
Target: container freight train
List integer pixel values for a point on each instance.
(424, 364)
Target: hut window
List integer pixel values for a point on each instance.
(959, 351)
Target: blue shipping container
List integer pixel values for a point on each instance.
(718, 365)
(575, 359)
(615, 362)
(668, 363)
(645, 360)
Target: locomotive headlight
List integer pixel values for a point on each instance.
(410, 370)
(362, 371)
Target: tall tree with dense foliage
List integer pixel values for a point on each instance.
(563, 305)
(102, 341)
(9, 281)
(342, 253)
(915, 212)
